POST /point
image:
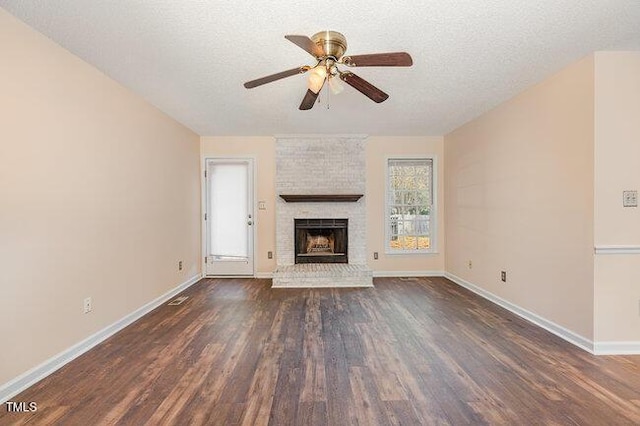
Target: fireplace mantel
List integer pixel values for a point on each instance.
(321, 198)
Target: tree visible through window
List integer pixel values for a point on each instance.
(409, 204)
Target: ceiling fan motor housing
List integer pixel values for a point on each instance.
(332, 43)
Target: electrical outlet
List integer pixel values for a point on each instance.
(88, 305)
(180, 265)
(630, 198)
(262, 205)
(470, 264)
(269, 255)
(375, 255)
(503, 276)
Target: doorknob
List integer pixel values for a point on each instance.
(250, 223)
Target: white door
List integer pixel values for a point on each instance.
(229, 217)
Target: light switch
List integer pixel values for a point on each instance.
(630, 198)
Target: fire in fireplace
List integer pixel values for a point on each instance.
(321, 240)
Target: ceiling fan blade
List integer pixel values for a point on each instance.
(364, 87)
(306, 44)
(310, 97)
(273, 77)
(309, 100)
(393, 59)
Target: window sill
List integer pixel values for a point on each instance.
(411, 252)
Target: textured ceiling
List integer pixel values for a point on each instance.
(190, 58)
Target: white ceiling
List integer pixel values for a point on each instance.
(190, 58)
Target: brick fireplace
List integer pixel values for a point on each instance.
(320, 182)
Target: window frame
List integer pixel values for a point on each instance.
(433, 228)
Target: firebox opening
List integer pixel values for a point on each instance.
(318, 243)
(321, 240)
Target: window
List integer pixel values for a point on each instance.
(410, 210)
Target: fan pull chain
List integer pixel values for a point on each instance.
(327, 90)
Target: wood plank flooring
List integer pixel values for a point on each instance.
(408, 352)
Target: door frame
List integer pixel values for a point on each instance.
(251, 159)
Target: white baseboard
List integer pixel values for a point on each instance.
(407, 274)
(550, 326)
(34, 375)
(399, 274)
(617, 348)
(248, 277)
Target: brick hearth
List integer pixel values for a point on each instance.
(322, 275)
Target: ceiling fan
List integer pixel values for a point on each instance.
(328, 47)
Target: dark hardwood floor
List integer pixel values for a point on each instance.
(408, 352)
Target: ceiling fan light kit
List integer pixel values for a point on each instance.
(336, 86)
(328, 48)
(316, 78)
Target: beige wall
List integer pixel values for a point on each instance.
(379, 149)
(519, 198)
(99, 196)
(617, 168)
(263, 150)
